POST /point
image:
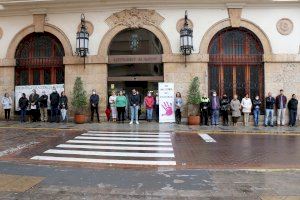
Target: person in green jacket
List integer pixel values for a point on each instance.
(121, 103)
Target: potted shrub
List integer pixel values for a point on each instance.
(194, 100)
(79, 101)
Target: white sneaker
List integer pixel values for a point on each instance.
(137, 122)
(131, 122)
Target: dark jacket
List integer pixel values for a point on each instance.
(94, 99)
(63, 102)
(43, 101)
(218, 103)
(256, 103)
(23, 103)
(293, 104)
(270, 102)
(225, 104)
(54, 99)
(34, 99)
(134, 99)
(284, 101)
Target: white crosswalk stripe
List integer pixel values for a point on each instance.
(207, 138)
(132, 148)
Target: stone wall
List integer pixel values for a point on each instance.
(7, 78)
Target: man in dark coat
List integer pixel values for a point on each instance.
(94, 103)
(134, 102)
(44, 106)
(23, 105)
(54, 103)
(215, 108)
(293, 107)
(34, 106)
(270, 102)
(281, 102)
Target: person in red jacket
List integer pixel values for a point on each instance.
(149, 103)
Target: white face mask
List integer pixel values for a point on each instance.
(54, 90)
(256, 98)
(149, 95)
(94, 92)
(214, 95)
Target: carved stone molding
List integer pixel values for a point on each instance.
(180, 24)
(285, 26)
(89, 26)
(235, 16)
(1, 32)
(135, 18)
(39, 22)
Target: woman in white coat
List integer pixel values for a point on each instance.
(7, 105)
(112, 101)
(246, 105)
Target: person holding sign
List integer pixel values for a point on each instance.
(34, 106)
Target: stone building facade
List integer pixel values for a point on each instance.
(274, 26)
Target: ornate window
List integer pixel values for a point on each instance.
(39, 60)
(236, 63)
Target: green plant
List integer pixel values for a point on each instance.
(194, 97)
(79, 98)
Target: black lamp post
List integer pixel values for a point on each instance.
(186, 38)
(82, 40)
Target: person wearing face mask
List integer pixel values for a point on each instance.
(149, 103)
(34, 106)
(293, 107)
(112, 101)
(256, 110)
(235, 107)
(246, 106)
(225, 107)
(270, 102)
(94, 102)
(7, 105)
(204, 109)
(54, 104)
(43, 100)
(23, 105)
(134, 101)
(215, 109)
(63, 106)
(281, 101)
(121, 103)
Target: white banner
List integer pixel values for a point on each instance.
(166, 102)
(27, 89)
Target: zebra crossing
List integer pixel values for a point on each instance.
(129, 148)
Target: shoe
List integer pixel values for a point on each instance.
(131, 122)
(137, 122)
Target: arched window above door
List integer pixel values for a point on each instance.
(39, 60)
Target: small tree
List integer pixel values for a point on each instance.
(79, 99)
(194, 97)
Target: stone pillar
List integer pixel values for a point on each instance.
(7, 77)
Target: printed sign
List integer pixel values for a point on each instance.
(27, 89)
(166, 102)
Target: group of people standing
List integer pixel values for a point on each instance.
(37, 106)
(216, 106)
(119, 103)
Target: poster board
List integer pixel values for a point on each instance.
(27, 89)
(166, 102)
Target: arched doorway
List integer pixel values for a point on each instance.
(39, 60)
(236, 63)
(135, 61)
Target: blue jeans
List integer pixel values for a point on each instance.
(149, 113)
(256, 113)
(134, 110)
(215, 117)
(269, 117)
(22, 115)
(293, 117)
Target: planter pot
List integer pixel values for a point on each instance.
(193, 120)
(79, 119)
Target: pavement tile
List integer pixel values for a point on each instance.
(15, 183)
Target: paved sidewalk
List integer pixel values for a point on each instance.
(153, 126)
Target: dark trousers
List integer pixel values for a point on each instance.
(293, 117)
(178, 116)
(157, 112)
(34, 114)
(121, 113)
(22, 115)
(204, 117)
(224, 114)
(235, 119)
(54, 114)
(7, 114)
(93, 111)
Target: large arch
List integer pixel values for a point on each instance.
(214, 29)
(105, 42)
(30, 29)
